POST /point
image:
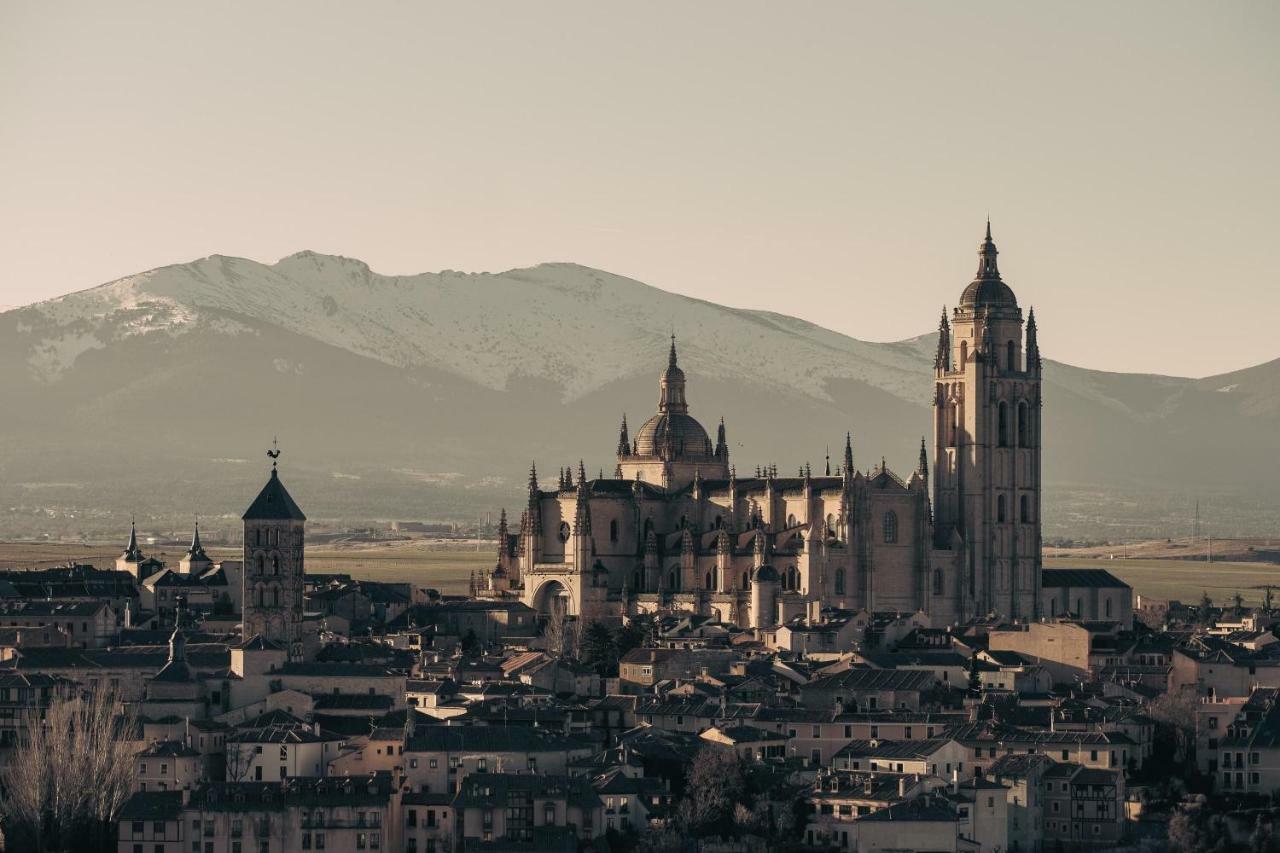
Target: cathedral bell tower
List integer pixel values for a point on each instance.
(986, 479)
(273, 568)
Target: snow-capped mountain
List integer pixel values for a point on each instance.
(406, 396)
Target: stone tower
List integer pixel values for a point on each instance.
(987, 446)
(273, 568)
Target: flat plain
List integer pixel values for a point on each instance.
(444, 566)
(447, 565)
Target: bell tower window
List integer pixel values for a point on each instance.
(1002, 424)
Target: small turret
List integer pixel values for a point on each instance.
(1033, 343)
(624, 441)
(722, 446)
(942, 361)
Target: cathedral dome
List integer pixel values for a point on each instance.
(988, 293)
(686, 435)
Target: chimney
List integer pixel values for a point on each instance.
(955, 781)
(902, 787)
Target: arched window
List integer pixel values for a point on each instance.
(261, 562)
(890, 527)
(964, 353)
(795, 577)
(673, 580)
(1024, 432)
(791, 520)
(613, 530)
(839, 581)
(831, 524)
(708, 584)
(257, 536)
(1011, 355)
(937, 581)
(1024, 509)
(1002, 424)
(746, 581)
(719, 522)
(1000, 508)
(955, 426)
(275, 564)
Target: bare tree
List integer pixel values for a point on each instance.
(68, 778)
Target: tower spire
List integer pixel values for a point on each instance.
(848, 454)
(671, 360)
(924, 459)
(722, 446)
(987, 268)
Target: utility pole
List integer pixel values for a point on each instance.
(1196, 529)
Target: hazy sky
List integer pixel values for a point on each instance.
(834, 161)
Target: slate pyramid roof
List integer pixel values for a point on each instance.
(273, 503)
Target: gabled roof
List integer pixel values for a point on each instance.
(273, 503)
(1099, 578)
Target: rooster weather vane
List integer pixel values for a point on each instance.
(274, 452)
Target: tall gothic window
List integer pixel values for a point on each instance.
(890, 527)
(613, 530)
(839, 581)
(1002, 424)
(1024, 509)
(1000, 508)
(746, 581)
(708, 584)
(964, 352)
(1023, 426)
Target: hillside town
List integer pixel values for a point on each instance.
(670, 658)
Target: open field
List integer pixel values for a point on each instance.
(1184, 580)
(1185, 548)
(446, 566)
(443, 566)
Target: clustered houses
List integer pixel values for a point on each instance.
(884, 656)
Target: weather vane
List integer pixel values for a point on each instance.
(274, 452)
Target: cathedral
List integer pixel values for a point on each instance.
(677, 530)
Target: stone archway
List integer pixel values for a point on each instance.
(553, 596)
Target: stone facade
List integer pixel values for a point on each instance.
(676, 529)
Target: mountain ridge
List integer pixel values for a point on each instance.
(461, 377)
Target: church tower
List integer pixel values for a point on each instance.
(986, 474)
(273, 568)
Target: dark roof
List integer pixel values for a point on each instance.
(273, 503)
(1081, 578)
(875, 679)
(491, 738)
(152, 806)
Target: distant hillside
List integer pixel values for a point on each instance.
(428, 395)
